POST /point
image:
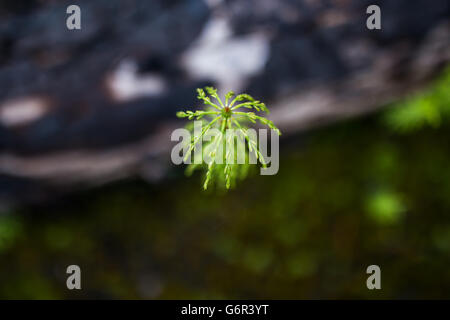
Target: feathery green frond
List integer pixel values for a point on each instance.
(222, 166)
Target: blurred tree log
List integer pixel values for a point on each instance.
(85, 107)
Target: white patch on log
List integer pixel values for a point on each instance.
(229, 61)
(22, 111)
(125, 84)
(213, 3)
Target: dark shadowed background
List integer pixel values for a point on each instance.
(85, 170)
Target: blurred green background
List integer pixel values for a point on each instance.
(373, 190)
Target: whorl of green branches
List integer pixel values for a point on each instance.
(223, 115)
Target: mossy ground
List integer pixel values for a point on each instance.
(348, 196)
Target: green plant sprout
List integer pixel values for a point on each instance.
(224, 115)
